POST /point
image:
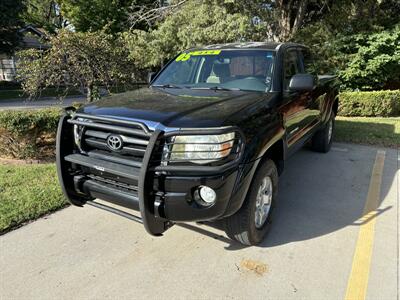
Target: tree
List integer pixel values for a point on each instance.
(356, 40)
(80, 60)
(94, 15)
(211, 23)
(10, 23)
(44, 13)
(152, 13)
(374, 61)
(277, 20)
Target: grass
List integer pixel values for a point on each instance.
(369, 131)
(26, 193)
(19, 94)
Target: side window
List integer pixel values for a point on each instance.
(309, 63)
(291, 66)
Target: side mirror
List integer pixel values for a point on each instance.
(151, 76)
(302, 82)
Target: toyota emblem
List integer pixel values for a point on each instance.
(114, 142)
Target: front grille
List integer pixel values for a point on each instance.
(98, 161)
(97, 140)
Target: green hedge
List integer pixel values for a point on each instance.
(370, 104)
(28, 134)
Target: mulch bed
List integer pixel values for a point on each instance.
(12, 161)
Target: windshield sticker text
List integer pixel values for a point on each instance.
(186, 56)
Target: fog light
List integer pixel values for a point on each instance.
(207, 195)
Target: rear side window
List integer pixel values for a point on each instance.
(309, 63)
(291, 66)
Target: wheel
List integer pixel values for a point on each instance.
(251, 223)
(322, 139)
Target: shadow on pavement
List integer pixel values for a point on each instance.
(318, 194)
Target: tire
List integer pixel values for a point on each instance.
(242, 225)
(322, 139)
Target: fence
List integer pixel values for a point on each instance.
(7, 69)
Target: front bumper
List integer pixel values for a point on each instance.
(162, 194)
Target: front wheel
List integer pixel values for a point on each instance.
(251, 223)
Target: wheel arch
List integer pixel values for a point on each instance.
(335, 105)
(276, 152)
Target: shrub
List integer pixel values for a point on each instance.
(370, 104)
(90, 60)
(28, 134)
(10, 85)
(376, 63)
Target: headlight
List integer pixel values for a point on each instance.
(201, 149)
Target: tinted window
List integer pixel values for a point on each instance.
(231, 69)
(309, 63)
(291, 66)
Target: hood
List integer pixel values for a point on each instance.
(176, 107)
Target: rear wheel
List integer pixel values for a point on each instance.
(322, 139)
(252, 222)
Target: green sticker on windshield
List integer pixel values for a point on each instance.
(186, 56)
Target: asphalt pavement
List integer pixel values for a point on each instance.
(335, 235)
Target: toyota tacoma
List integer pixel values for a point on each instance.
(205, 141)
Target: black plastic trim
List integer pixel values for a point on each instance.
(116, 211)
(111, 194)
(115, 159)
(201, 170)
(104, 166)
(64, 146)
(153, 225)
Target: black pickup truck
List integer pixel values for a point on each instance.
(205, 141)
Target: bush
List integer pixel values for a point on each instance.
(370, 104)
(77, 59)
(376, 63)
(10, 85)
(28, 134)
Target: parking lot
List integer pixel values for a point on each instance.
(334, 236)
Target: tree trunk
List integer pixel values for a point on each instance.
(298, 21)
(284, 25)
(89, 95)
(291, 17)
(284, 8)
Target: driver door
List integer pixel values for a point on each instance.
(295, 103)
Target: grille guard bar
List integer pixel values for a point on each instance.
(153, 223)
(64, 146)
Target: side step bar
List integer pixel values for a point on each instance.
(116, 211)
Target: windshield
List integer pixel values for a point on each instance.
(249, 70)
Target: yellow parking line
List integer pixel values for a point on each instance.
(358, 280)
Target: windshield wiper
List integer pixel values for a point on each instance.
(215, 88)
(167, 86)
